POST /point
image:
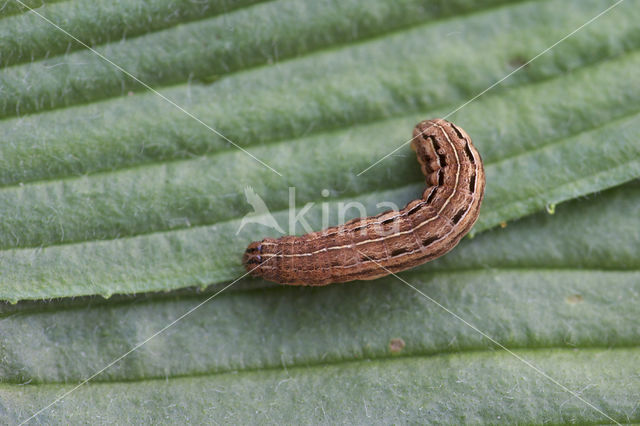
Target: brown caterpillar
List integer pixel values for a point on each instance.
(368, 248)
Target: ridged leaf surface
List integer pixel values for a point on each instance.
(119, 212)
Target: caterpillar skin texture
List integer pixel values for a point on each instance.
(396, 240)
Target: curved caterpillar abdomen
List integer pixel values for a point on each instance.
(396, 240)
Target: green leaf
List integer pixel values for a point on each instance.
(355, 84)
(234, 354)
(181, 212)
(94, 23)
(214, 47)
(107, 189)
(484, 387)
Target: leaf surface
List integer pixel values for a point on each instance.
(248, 341)
(107, 189)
